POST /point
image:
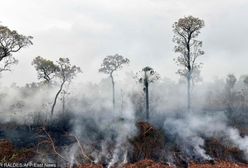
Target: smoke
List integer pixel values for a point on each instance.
(191, 129)
(23, 104)
(105, 132)
(240, 142)
(103, 135)
(187, 130)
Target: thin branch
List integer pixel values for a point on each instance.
(81, 148)
(53, 145)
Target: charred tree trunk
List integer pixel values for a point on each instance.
(147, 96)
(113, 91)
(189, 67)
(63, 104)
(56, 97)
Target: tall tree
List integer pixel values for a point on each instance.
(230, 95)
(148, 76)
(45, 68)
(246, 81)
(65, 74)
(11, 42)
(186, 31)
(111, 64)
(230, 83)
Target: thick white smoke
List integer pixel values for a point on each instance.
(191, 129)
(104, 135)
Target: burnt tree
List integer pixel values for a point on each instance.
(145, 77)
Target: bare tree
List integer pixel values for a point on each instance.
(186, 31)
(65, 74)
(46, 69)
(11, 42)
(148, 76)
(110, 64)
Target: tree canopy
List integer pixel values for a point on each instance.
(148, 75)
(45, 68)
(66, 71)
(11, 42)
(186, 31)
(112, 63)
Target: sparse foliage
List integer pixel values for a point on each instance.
(11, 42)
(46, 69)
(66, 72)
(110, 64)
(148, 75)
(186, 31)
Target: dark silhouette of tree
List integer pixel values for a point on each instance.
(245, 90)
(46, 69)
(230, 96)
(186, 31)
(246, 81)
(63, 97)
(65, 73)
(11, 42)
(109, 65)
(229, 85)
(147, 76)
(230, 81)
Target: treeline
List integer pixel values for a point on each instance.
(57, 76)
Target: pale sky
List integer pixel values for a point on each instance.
(88, 30)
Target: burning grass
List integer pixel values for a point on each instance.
(148, 143)
(220, 151)
(149, 148)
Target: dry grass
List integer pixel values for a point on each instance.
(221, 164)
(148, 143)
(9, 154)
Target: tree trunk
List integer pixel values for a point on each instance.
(189, 92)
(56, 97)
(63, 104)
(189, 67)
(113, 91)
(147, 97)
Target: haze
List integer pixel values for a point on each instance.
(88, 30)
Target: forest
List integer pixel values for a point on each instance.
(142, 119)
